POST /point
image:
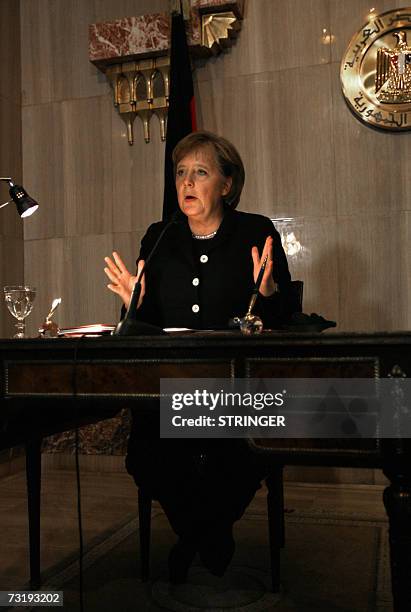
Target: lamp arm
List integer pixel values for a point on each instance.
(10, 182)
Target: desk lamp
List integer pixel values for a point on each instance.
(26, 206)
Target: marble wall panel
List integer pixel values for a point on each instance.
(275, 35)
(87, 166)
(138, 176)
(9, 51)
(404, 146)
(55, 62)
(406, 267)
(128, 244)
(86, 277)
(11, 273)
(349, 16)
(44, 268)
(107, 10)
(11, 223)
(281, 124)
(70, 268)
(10, 149)
(316, 263)
(373, 271)
(128, 36)
(67, 165)
(10, 163)
(371, 166)
(43, 170)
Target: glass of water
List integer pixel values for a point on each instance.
(19, 301)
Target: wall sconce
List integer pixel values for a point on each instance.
(25, 204)
(327, 38)
(141, 89)
(133, 53)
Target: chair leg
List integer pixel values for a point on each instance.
(276, 527)
(144, 518)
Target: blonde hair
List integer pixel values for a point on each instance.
(226, 156)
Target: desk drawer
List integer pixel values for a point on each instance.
(134, 378)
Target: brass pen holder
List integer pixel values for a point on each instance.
(250, 324)
(49, 328)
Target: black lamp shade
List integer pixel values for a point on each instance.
(26, 206)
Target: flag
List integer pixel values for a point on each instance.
(181, 109)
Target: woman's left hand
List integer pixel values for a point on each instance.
(268, 285)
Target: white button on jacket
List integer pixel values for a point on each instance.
(195, 307)
(203, 258)
(196, 282)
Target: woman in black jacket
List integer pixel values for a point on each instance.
(202, 274)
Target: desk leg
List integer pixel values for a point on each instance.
(33, 474)
(397, 502)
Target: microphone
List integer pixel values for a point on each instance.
(130, 325)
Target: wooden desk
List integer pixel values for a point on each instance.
(52, 385)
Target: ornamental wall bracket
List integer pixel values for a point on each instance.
(376, 71)
(133, 53)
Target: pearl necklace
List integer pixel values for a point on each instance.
(204, 237)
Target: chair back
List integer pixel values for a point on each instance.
(297, 288)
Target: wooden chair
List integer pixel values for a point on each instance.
(275, 513)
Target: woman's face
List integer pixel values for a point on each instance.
(200, 185)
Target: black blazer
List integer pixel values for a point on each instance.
(201, 284)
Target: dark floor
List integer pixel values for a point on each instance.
(109, 500)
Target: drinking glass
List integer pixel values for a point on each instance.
(19, 300)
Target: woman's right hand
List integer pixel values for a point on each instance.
(122, 282)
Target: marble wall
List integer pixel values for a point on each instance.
(11, 226)
(96, 192)
(276, 95)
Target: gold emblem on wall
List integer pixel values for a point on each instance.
(376, 71)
